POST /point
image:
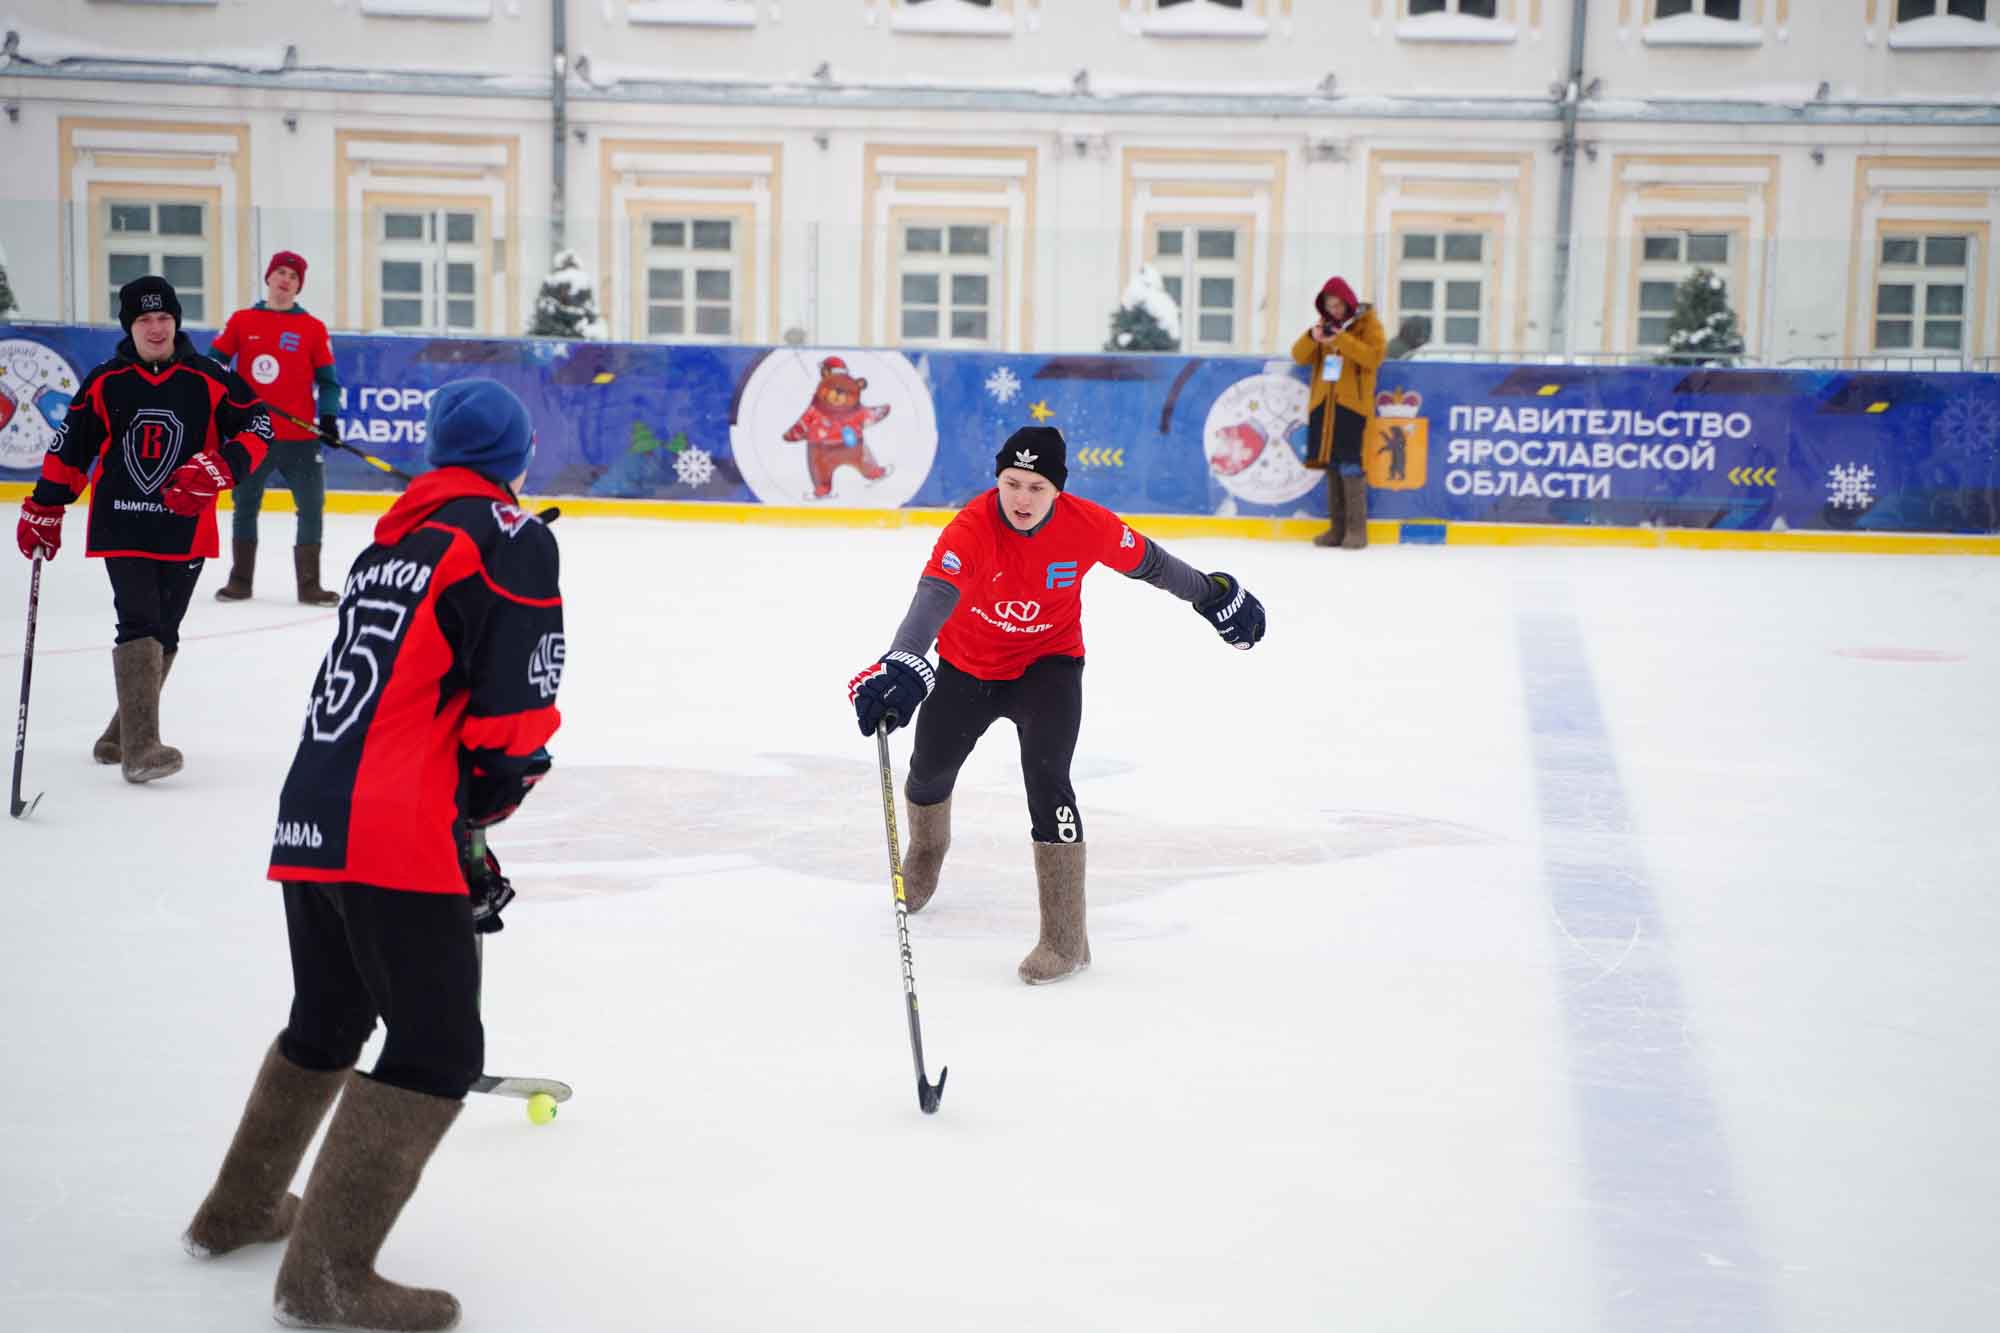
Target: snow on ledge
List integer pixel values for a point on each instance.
(952, 19)
(693, 13)
(429, 9)
(1454, 28)
(1944, 32)
(1700, 30)
(1203, 21)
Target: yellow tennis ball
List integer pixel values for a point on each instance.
(541, 1108)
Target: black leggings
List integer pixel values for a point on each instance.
(359, 951)
(1045, 704)
(151, 597)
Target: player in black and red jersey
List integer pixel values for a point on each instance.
(285, 354)
(1002, 596)
(172, 429)
(430, 712)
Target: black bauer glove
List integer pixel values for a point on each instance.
(890, 690)
(491, 796)
(491, 891)
(329, 430)
(1237, 616)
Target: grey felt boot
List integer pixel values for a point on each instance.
(1354, 512)
(305, 564)
(140, 668)
(110, 746)
(1332, 535)
(249, 1204)
(374, 1155)
(930, 838)
(242, 571)
(1064, 949)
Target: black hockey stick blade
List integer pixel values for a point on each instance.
(20, 809)
(930, 1094)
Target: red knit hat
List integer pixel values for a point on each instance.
(288, 259)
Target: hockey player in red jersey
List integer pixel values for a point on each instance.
(431, 710)
(285, 354)
(1002, 597)
(171, 429)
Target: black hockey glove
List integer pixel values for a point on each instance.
(495, 790)
(491, 891)
(1237, 616)
(329, 430)
(890, 690)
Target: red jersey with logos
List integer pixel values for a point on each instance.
(141, 422)
(1020, 594)
(448, 651)
(277, 351)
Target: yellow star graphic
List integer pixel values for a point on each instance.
(1040, 412)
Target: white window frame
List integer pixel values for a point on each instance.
(1746, 11)
(1442, 273)
(1676, 271)
(692, 262)
(953, 18)
(428, 9)
(1453, 24)
(1183, 274)
(1922, 277)
(948, 264)
(157, 248)
(1941, 30)
(436, 254)
(694, 13)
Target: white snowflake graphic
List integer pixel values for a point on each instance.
(1850, 485)
(694, 467)
(1003, 384)
(1971, 424)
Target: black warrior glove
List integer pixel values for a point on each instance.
(890, 690)
(491, 891)
(494, 792)
(1237, 616)
(329, 430)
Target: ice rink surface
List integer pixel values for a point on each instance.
(1577, 941)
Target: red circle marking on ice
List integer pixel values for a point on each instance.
(1879, 654)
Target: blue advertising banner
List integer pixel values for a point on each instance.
(873, 428)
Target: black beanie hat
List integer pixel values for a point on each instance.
(1037, 449)
(142, 296)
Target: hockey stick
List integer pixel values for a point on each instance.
(500, 1085)
(361, 454)
(928, 1094)
(15, 806)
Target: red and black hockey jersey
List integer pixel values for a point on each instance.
(449, 648)
(141, 422)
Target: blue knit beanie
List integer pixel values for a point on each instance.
(480, 425)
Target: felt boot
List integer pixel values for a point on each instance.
(110, 747)
(242, 570)
(248, 1203)
(930, 838)
(140, 668)
(305, 563)
(1064, 948)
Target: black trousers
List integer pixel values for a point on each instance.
(151, 597)
(1045, 704)
(358, 952)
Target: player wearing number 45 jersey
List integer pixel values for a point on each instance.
(430, 711)
(1002, 596)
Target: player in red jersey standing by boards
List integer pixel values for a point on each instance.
(285, 354)
(1002, 598)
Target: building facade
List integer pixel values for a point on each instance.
(992, 173)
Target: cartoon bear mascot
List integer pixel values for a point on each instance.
(833, 428)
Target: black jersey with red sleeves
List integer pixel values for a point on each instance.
(1020, 594)
(449, 647)
(134, 424)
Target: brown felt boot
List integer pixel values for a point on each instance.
(1331, 537)
(248, 1204)
(110, 747)
(368, 1168)
(140, 668)
(1064, 948)
(242, 571)
(305, 563)
(930, 838)
(1354, 509)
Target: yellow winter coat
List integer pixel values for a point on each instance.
(1360, 347)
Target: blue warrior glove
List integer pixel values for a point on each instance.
(1237, 616)
(890, 690)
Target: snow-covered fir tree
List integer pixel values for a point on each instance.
(567, 305)
(1146, 320)
(1702, 330)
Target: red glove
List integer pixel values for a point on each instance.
(40, 531)
(195, 484)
